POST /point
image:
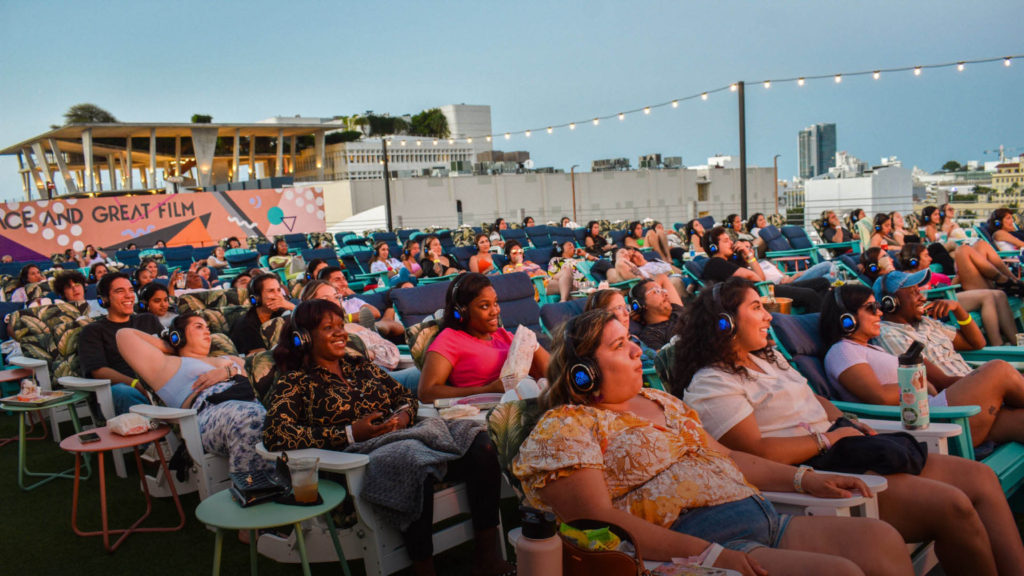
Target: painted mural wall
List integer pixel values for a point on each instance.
(35, 230)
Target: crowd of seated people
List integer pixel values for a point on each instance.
(737, 419)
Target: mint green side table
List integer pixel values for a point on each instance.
(23, 470)
(223, 513)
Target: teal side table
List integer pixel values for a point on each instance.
(23, 470)
(223, 513)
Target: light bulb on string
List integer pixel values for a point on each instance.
(733, 87)
(1006, 61)
(451, 141)
(767, 84)
(550, 129)
(488, 137)
(876, 74)
(703, 96)
(419, 142)
(838, 78)
(647, 110)
(675, 103)
(403, 142)
(435, 142)
(917, 70)
(507, 135)
(622, 116)
(572, 125)
(800, 81)
(959, 66)
(469, 140)
(596, 121)
(527, 133)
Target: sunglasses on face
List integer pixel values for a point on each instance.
(872, 307)
(517, 252)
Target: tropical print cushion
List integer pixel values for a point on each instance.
(237, 296)
(38, 329)
(508, 425)
(419, 336)
(196, 301)
(221, 345)
(271, 331)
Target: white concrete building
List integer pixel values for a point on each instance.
(408, 156)
(882, 190)
(469, 121)
(665, 195)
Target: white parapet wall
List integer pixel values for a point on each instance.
(665, 195)
(884, 190)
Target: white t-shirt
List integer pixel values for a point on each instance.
(779, 399)
(847, 353)
(351, 305)
(379, 266)
(771, 272)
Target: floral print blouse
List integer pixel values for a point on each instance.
(310, 408)
(653, 472)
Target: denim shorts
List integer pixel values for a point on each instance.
(742, 525)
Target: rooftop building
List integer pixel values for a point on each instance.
(816, 149)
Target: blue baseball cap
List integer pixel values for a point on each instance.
(893, 281)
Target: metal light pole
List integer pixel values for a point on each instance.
(387, 183)
(775, 168)
(572, 175)
(743, 149)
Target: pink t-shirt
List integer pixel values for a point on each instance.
(474, 362)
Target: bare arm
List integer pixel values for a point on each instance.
(746, 437)
(474, 263)
(148, 355)
(861, 381)
(434, 381)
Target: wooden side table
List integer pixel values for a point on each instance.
(23, 470)
(223, 513)
(110, 441)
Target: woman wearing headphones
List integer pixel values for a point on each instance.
(179, 369)
(96, 272)
(155, 299)
(610, 450)
(398, 275)
(331, 398)
(1002, 228)
(518, 263)
(482, 261)
(435, 263)
(749, 399)
(695, 234)
(411, 258)
(29, 274)
(467, 355)
(859, 371)
(881, 235)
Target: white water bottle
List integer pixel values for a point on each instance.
(913, 388)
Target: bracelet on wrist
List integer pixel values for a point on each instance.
(798, 478)
(825, 441)
(965, 322)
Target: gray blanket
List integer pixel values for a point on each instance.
(401, 461)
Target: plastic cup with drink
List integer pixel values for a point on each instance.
(304, 478)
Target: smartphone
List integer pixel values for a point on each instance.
(387, 417)
(89, 437)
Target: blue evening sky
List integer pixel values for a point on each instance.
(535, 64)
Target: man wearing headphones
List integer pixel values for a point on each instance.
(97, 343)
(656, 309)
(266, 301)
(908, 317)
(721, 266)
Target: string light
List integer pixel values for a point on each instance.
(451, 141)
(468, 141)
(837, 78)
(419, 142)
(403, 142)
(435, 142)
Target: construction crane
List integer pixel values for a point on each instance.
(1002, 150)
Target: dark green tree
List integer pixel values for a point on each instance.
(951, 166)
(431, 123)
(86, 113)
(374, 125)
(345, 136)
(202, 119)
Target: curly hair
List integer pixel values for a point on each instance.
(853, 297)
(65, 279)
(710, 238)
(752, 221)
(997, 217)
(701, 345)
(584, 333)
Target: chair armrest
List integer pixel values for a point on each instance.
(330, 460)
(947, 292)
(852, 244)
(936, 430)
(162, 412)
(83, 383)
(893, 412)
(1011, 354)
(26, 362)
(801, 252)
(875, 484)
